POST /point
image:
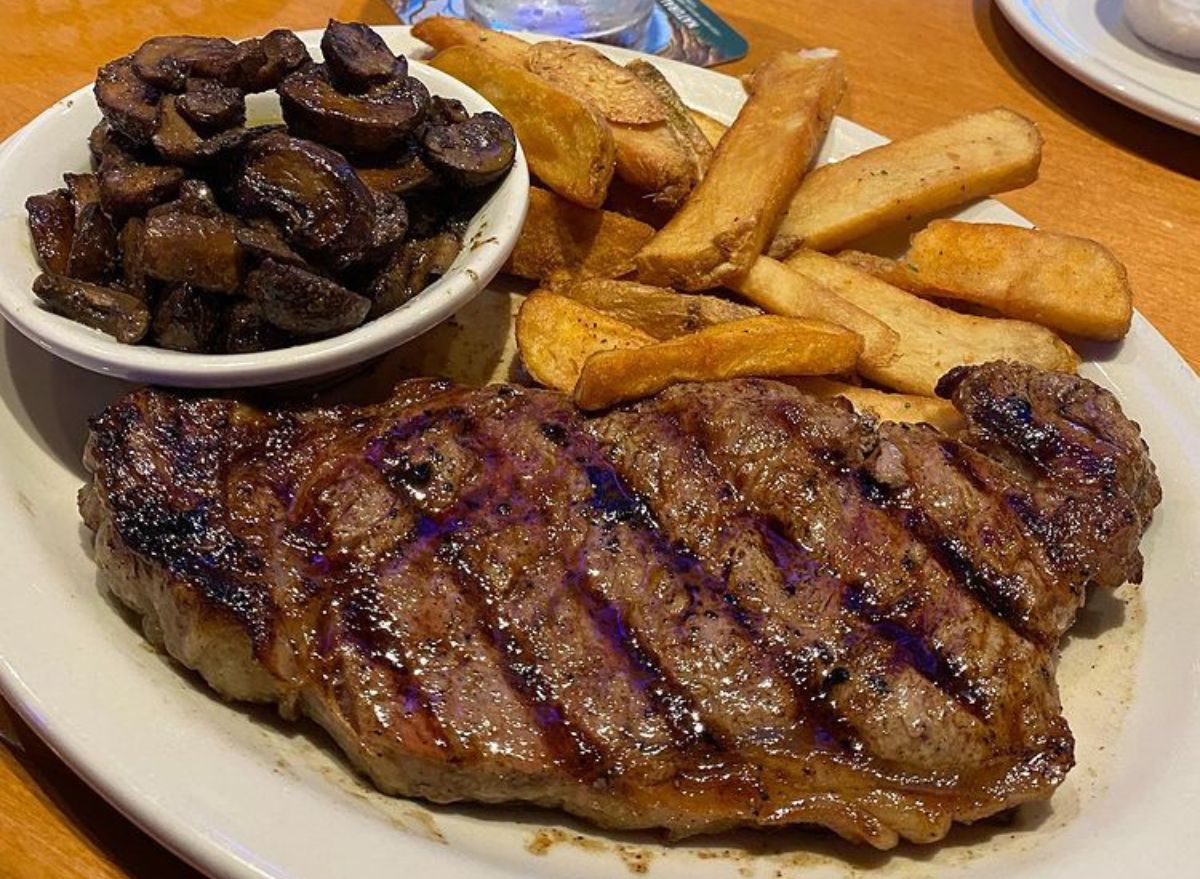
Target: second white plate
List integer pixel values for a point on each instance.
(1091, 40)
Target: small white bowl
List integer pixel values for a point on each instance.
(34, 159)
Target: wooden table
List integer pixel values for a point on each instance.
(1108, 173)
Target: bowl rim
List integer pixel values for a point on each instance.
(490, 238)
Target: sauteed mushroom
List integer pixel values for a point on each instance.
(472, 153)
(129, 103)
(358, 57)
(210, 106)
(167, 62)
(312, 192)
(264, 62)
(373, 121)
(52, 226)
(122, 316)
(301, 302)
(198, 250)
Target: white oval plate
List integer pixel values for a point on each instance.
(34, 159)
(1091, 40)
(240, 794)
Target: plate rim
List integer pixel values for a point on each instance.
(1096, 72)
(200, 849)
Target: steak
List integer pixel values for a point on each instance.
(732, 604)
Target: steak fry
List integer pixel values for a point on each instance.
(732, 604)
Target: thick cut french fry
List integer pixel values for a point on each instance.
(932, 339)
(893, 271)
(724, 224)
(757, 346)
(650, 154)
(623, 198)
(567, 142)
(663, 314)
(774, 287)
(1069, 284)
(581, 70)
(679, 117)
(886, 406)
(974, 156)
(561, 235)
(712, 129)
(442, 32)
(556, 335)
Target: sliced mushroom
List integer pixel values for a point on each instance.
(391, 225)
(84, 189)
(312, 192)
(357, 57)
(94, 256)
(130, 188)
(373, 121)
(406, 172)
(180, 144)
(245, 331)
(262, 240)
(188, 248)
(122, 316)
(132, 242)
(473, 153)
(446, 111)
(185, 320)
(129, 103)
(167, 62)
(195, 197)
(106, 144)
(211, 107)
(265, 62)
(52, 226)
(410, 270)
(298, 301)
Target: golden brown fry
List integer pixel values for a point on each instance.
(556, 335)
(774, 287)
(1070, 284)
(724, 224)
(560, 235)
(933, 339)
(442, 32)
(581, 70)
(624, 198)
(976, 155)
(568, 144)
(712, 129)
(663, 314)
(894, 272)
(886, 406)
(651, 159)
(757, 346)
(679, 117)
(652, 152)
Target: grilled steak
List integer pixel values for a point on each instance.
(732, 604)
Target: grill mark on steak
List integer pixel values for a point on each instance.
(797, 566)
(811, 695)
(867, 536)
(918, 650)
(585, 758)
(987, 587)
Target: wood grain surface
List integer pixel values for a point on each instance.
(1108, 173)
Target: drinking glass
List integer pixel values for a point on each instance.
(619, 22)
